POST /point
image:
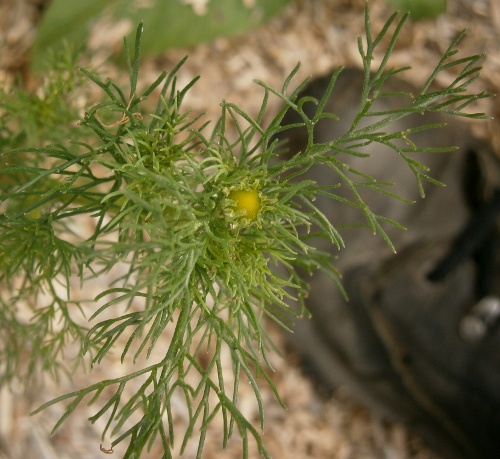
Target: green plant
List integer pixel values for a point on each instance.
(420, 9)
(71, 22)
(198, 222)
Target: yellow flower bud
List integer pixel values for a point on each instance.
(247, 200)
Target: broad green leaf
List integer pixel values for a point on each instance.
(65, 21)
(167, 23)
(420, 9)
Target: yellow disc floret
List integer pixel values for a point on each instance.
(247, 200)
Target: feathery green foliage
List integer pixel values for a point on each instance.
(159, 190)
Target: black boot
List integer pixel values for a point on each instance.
(419, 338)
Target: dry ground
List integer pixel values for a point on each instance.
(322, 35)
